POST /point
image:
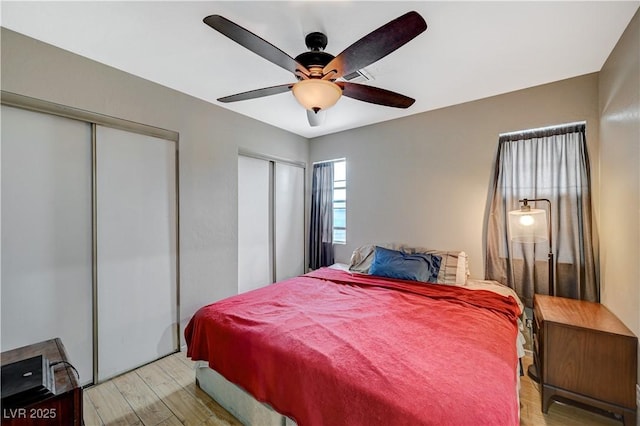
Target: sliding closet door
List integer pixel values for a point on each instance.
(289, 220)
(270, 221)
(136, 249)
(255, 252)
(46, 234)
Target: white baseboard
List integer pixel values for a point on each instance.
(638, 395)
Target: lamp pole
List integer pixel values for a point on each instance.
(533, 370)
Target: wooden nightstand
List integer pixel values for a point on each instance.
(64, 408)
(585, 354)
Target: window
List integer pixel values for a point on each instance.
(328, 215)
(340, 201)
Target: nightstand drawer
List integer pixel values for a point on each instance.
(594, 364)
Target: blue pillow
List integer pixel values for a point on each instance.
(396, 264)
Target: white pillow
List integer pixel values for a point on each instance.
(462, 271)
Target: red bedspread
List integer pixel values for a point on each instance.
(329, 348)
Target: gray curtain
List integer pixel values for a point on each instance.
(321, 221)
(553, 164)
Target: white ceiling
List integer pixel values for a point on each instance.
(471, 50)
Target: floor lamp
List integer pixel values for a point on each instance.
(530, 226)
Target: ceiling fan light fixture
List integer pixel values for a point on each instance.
(315, 94)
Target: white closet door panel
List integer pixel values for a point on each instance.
(46, 234)
(254, 235)
(136, 227)
(289, 221)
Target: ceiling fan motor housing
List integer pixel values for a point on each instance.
(314, 59)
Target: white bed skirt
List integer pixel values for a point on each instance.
(236, 401)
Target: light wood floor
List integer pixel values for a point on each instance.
(164, 393)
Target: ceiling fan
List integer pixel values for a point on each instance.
(317, 72)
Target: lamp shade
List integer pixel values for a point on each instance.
(528, 226)
(315, 94)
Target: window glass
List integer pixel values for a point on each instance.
(340, 201)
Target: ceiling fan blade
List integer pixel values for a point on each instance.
(377, 44)
(316, 118)
(375, 95)
(254, 43)
(258, 93)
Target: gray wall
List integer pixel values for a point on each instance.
(620, 178)
(209, 140)
(425, 179)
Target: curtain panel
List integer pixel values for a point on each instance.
(553, 164)
(321, 221)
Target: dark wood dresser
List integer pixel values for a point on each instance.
(584, 353)
(64, 408)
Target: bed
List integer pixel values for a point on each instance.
(338, 346)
